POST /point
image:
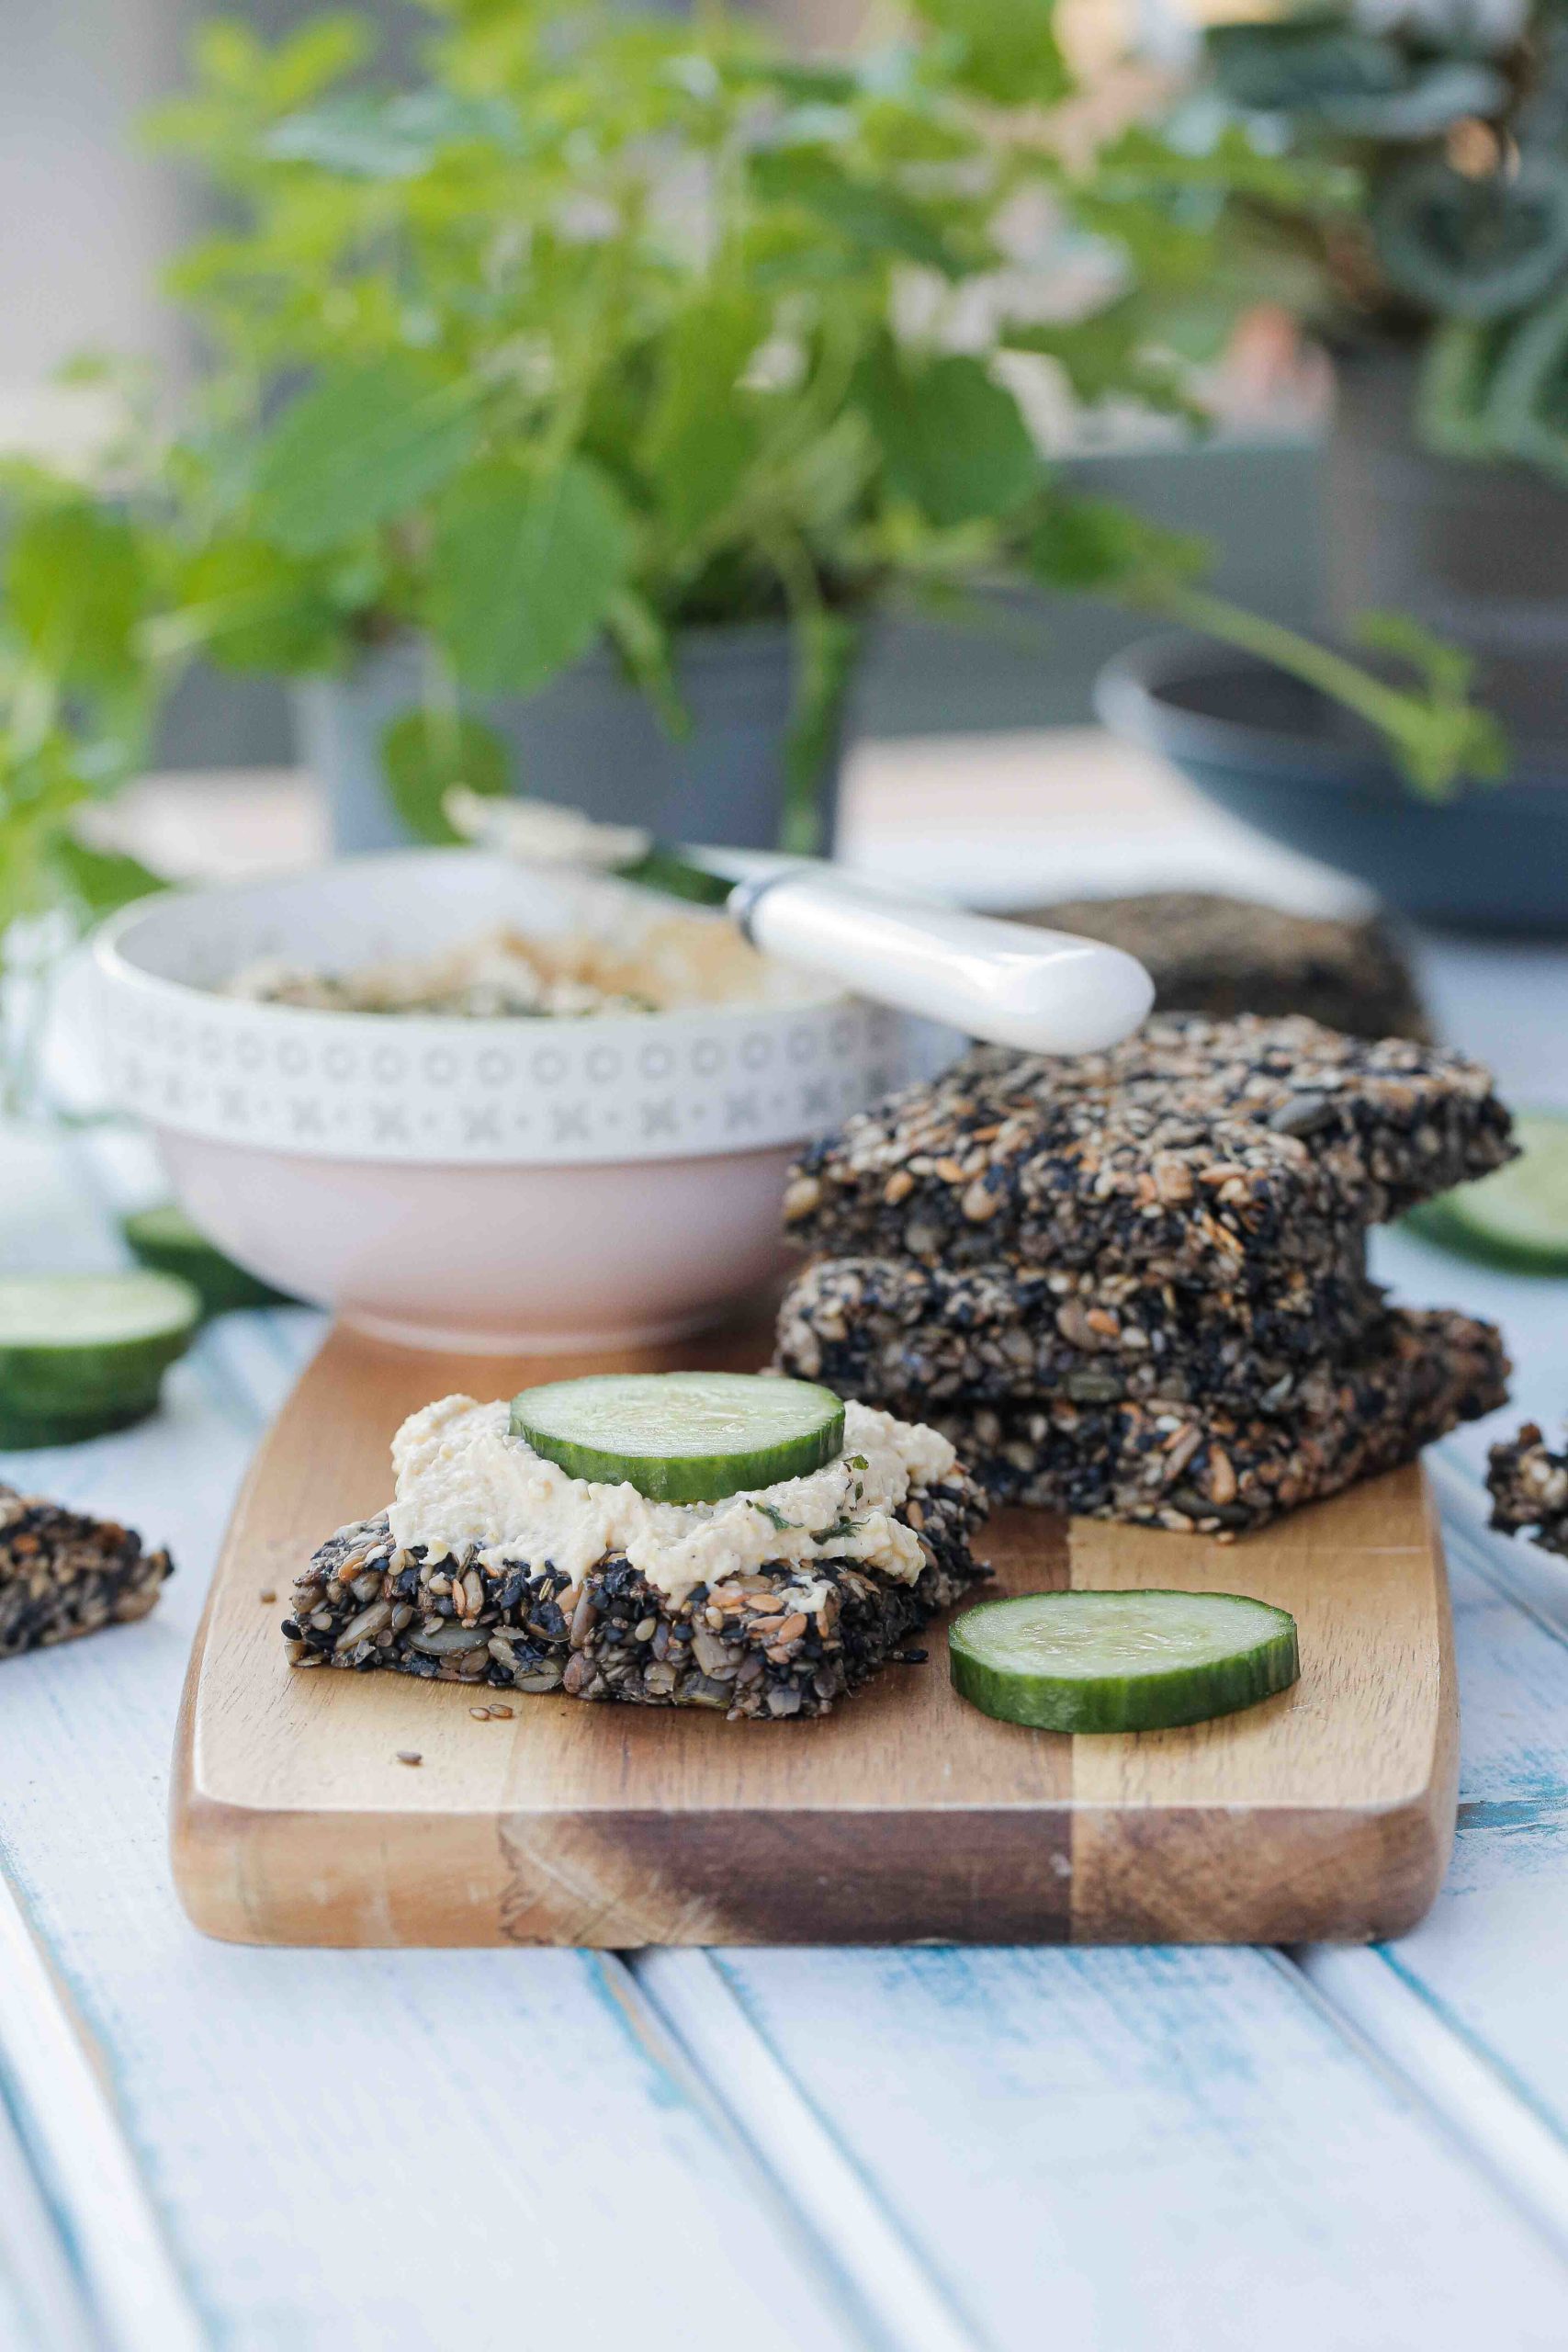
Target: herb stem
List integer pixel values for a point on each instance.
(1442, 743)
(1343, 680)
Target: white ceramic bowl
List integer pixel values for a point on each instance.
(505, 1184)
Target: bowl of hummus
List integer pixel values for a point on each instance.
(463, 1102)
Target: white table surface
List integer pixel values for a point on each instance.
(1322, 2151)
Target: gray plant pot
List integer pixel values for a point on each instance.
(1477, 552)
(591, 741)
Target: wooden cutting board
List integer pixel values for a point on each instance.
(904, 1816)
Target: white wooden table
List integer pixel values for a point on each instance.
(916, 2150)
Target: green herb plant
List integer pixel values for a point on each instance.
(608, 326)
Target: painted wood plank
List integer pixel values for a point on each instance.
(1468, 2004)
(1125, 2147)
(891, 2276)
(1481, 1974)
(118, 2244)
(42, 2305)
(1491, 2119)
(371, 2149)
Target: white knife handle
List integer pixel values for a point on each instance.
(1006, 982)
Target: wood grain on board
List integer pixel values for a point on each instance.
(904, 1816)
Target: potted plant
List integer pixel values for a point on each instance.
(567, 413)
(1431, 256)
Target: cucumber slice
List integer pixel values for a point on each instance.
(1518, 1217)
(682, 1437)
(1121, 1661)
(166, 1237)
(84, 1353)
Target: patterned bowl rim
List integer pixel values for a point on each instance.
(117, 966)
(699, 1082)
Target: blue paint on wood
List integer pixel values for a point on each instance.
(1516, 1813)
(605, 1979)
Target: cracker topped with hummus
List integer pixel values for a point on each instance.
(729, 1540)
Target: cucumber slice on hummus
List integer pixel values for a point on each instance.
(1121, 1661)
(84, 1353)
(682, 1437)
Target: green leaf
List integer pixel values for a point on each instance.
(1437, 97)
(76, 585)
(357, 450)
(425, 753)
(1007, 50)
(1441, 740)
(101, 880)
(229, 57)
(869, 213)
(39, 788)
(1104, 358)
(523, 570)
(1355, 81)
(1476, 249)
(701, 438)
(1094, 548)
(1454, 390)
(226, 54)
(251, 607)
(1446, 670)
(827, 651)
(1296, 63)
(1229, 164)
(323, 48)
(362, 136)
(953, 440)
(803, 82)
(643, 643)
(1527, 407)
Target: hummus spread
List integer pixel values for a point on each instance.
(465, 1483)
(675, 964)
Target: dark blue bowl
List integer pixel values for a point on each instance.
(1293, 765)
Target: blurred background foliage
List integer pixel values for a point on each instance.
(1436, 211)
(573, 323)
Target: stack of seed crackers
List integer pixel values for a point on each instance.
(1132, 1284)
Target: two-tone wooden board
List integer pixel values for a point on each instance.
(904, 1816)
